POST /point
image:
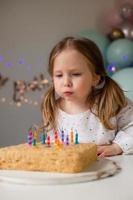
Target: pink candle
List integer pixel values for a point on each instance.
(30, 137)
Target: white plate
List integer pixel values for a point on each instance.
(99, 169)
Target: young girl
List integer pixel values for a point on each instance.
(85, 99)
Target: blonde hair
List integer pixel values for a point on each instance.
(108, 100)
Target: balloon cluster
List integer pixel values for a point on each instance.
(118, 28)
(115, 39)
(118, 21)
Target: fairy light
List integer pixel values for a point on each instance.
(25, 100)
(18, 104)
(3, 99)
(36, 103)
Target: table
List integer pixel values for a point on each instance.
(117, 187)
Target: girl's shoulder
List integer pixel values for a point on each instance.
(128, 109)
(129, 101)
(129, 104)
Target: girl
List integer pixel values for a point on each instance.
(84, 98)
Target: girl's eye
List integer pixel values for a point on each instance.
(76, 74)
(58, 75)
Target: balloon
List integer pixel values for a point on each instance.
(115, 34)
(100, 39)
(124, 78)
(120, 2)
(109, 20)
(127, 29)
(120, 53)
(126, 10)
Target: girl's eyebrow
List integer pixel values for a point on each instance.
(70, 70)
(58, 71)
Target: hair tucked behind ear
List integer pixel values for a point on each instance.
(110, 101)
(48, 109)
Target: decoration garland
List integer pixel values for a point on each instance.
(20, 88)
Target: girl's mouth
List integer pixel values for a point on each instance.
(68, 93)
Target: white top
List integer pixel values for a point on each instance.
(90, 129)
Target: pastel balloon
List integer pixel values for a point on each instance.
(121, 2)
(120, 53)
(110, 19)
(127, 29)
(100, 39)
(116, 34)
(124, 78)
(126, 10)
(128, 13)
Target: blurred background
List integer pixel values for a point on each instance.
(28, 31)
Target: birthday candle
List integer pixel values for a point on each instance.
(30, 137)
(48, 140)
(55, 137)
(34, 138)
(34, 142)
(67, 140)
(71, 137)
(58, 144)
(62, 136)
(43, 137)
(76, 138)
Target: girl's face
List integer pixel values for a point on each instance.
(72, 76)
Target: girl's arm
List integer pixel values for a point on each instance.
(109, 150)
(123, 142)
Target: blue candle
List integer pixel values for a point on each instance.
(76, 138)
(43, 138)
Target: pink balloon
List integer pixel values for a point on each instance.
(126, 11)
(110, 19)
(131, 19)
(120, 2)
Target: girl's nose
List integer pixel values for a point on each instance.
(67, 82)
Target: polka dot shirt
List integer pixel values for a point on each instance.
(90, 129)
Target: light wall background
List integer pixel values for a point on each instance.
(28, 31)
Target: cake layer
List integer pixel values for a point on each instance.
(67, 159)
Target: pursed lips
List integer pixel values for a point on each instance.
(68, 92)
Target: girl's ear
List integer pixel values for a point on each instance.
(96, 79)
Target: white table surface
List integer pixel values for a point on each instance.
(117, 187)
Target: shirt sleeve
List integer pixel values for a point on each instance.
(124, 135)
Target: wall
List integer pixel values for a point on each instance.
(28, 31)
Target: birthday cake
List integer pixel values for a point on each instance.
(66, 158)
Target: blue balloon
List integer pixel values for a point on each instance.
(120, 53)
(100, 39)
(124, 78)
